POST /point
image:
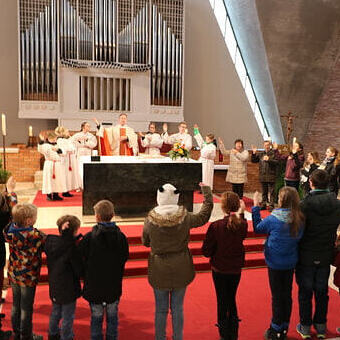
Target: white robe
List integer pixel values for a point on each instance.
(53, 167)
(73, 179)
(113, 135)
(152, 144)
(84, 148)
(208, 154)
(183, 138)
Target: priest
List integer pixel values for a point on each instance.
(121, 138)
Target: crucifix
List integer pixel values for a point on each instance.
(290, 119)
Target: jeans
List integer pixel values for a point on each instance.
(268, 187)
(281, 282)
(66, 313)
(176, 298)
(293, 184)
(238, 189)
(22, 311)
(97, 314)
(313, 280)
(227, 317)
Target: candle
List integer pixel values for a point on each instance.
(294, 140)
(30, 131)
(3, 125)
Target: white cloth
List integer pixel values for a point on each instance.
(73, 179)
(208, 154)
(84, 143)
(167, 200)
(152, 142)
(53, 167)
(113, 135)
(183, 138)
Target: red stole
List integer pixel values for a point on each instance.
(124, 149)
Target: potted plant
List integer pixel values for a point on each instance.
(179, 152)
(4, 175)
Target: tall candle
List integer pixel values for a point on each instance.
(294, 140)
(3, 124)
(30, 131)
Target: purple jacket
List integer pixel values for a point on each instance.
(225, 246)
(293, 165)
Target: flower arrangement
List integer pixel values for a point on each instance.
(178, 151)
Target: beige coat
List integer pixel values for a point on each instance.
(237, 172)
(170, 261)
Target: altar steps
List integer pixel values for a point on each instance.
(137, 265)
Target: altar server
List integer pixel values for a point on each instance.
(121, 137)
(54, 172)
(84, 142)
(152, 141)
(181, 137)
(64, 142)
(208, 153)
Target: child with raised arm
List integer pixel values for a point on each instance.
(64, 270)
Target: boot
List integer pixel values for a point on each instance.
(67, 194)
(233, 327)
(223, 329)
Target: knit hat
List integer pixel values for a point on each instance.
(167, 194)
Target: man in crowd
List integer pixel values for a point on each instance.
(267, 168)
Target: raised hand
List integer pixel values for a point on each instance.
(254, 149)
(266, 158)
(196, 126)
(257, 199)
(141, 134)
(275, 146)
(242, 207)
(10, 185)
(95, 120)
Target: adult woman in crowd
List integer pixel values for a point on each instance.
(171, 270)
(237, 171)
(331, 164)
(224, 245)
(284, 228)
(294, 162)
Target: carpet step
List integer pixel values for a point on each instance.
(139, 252)
(140, 267)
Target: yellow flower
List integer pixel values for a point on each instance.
(181, 151)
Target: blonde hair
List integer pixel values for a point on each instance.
(105, 210)
(51, 135)
(22, 212)
(336, 154)
(61, 131)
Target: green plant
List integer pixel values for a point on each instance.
(4, 174)
(178, 151)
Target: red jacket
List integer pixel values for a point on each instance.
(293, 164)
(225, 247)
(337, 271)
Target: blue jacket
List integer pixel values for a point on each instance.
(281, 249)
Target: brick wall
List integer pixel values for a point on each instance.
(24, 164)
(324, 130)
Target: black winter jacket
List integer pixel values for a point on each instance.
(104, 250)
(64, 267)
(322, 212)
(267, 169)
(334, 174)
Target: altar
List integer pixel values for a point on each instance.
(131, 183)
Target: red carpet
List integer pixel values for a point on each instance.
(41, 201)
(77, 200)
(137, 310)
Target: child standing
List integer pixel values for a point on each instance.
(105, 251)
(208, 154)
(284, 228)
(25, 247)
(310, 165)
(224, 245)
(64, 271)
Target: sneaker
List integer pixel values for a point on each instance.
(67, 194)
(304, 331)
(320, 330)
(37, 337)
(271, 334)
